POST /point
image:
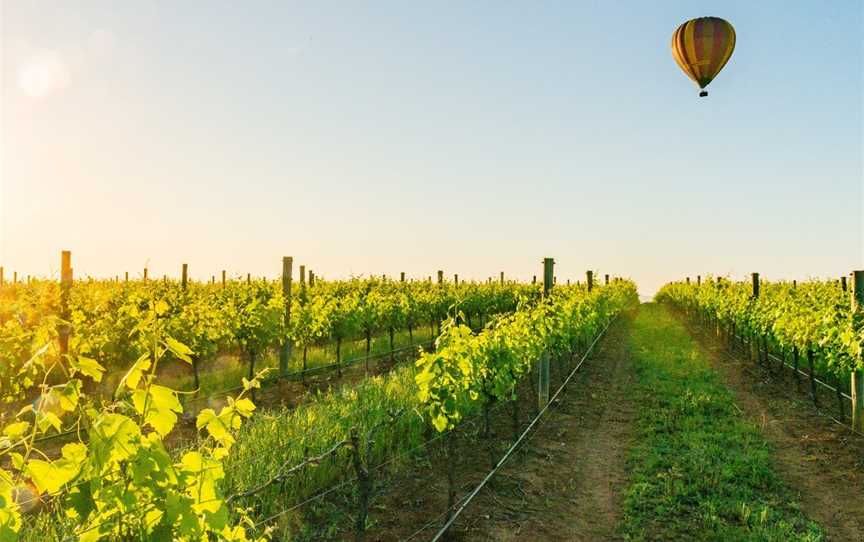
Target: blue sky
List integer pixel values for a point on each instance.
(388, 136)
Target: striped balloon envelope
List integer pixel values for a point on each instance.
(701, 47)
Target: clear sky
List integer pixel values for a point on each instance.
(474, 137)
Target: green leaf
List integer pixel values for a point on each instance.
(204, 417)
(249, 384)
(161, 307)
(158, 406)
(133, 376)
(113, 438)
(244, 407)
(49, 477)
(89, 367)
(179, 349)
(44, 420)
(16, 430)
(217, 426)
(69, 395)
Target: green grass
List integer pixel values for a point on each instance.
(230, 373)
(699, 471)
(228, 370)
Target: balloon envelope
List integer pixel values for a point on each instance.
(702, 46)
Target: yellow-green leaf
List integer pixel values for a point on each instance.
(179, 349)
(89, 367)
(16, 430)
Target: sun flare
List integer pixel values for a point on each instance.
(43, 75)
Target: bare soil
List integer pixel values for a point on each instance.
(820, 460)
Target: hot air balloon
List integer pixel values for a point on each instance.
(701, 47)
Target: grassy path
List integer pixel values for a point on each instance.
(699, 470)
(820, 461)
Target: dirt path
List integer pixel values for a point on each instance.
(567, 483)
(822, 462)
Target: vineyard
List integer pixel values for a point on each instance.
(155, 409)
(812, 322)
(62, 343)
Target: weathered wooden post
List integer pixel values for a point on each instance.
(1, 275)
(857, 382)
(590, 278)
(543, 383)
(126, 277)
(248, 278)
(607, 279)
(311, 278)
(65, 287)
(285, 352)
(548, 275)
(534, 279)
(698, 280)
(302, 276)
(402, 276)
(843, 283)
(223, 278)
(440, 277)
(502, 278)
(754, 341)
(456, 279)
(145, 274)
(184, 283)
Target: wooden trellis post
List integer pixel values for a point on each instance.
(754, 341)
(502, 278)
(857, 382)
(440, 277)
(285, 351)
(543, 383)
(589, 275)
(65, 287)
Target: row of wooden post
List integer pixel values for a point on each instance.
(856, 384)
(287, 282)
(311, 277)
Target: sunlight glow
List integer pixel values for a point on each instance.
(43, 75)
